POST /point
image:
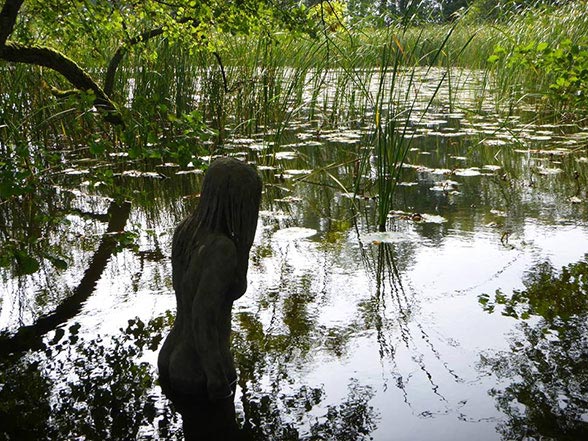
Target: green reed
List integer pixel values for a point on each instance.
(261, 83)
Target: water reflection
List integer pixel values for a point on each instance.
(213, 422)
(30, 337)
(85, 389)
(547, 367)
(339, 337)
(393, 311)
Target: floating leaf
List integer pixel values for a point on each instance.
(432, 219)
(140, 174)
(548, 171)
(294, 233)
(386, 237)
(288, 199)
(26, 264)
(194, 171)
(287, 155)
(467, 172)
(292, 172)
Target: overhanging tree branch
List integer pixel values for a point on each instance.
(120, 53)
(52, 59)
(8, 19)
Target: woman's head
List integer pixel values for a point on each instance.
(229, 201)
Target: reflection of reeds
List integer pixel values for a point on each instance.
(388, 288)
(392, 307)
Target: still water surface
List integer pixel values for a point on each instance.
(428, 331)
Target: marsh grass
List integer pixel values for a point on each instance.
(259, 85)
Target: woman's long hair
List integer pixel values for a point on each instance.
(229, 204)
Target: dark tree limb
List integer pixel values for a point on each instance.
(120, 53)
(222, 69)
(52, 59)
(8, 19)
(47, 57)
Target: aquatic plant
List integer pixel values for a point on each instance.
(554, 72)
(539, 58)
(399, 104)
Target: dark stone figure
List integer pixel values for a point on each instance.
(210, 255)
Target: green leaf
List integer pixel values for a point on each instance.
(542, 46)
(26, 264)
(57, 262)
(97, 147)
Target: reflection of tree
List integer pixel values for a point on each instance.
(273, 408)
(351, 420)
(555, 298)
(31, 336)
(77, 389)
(98, 389)
(548, 362)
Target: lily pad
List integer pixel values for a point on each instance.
(294, 172)
(140, 174)
(494, 142)
(548, 171)
(468, 172)
(386, 237)
(430, 219)
(288, 199)
(294, 233)
(286, 155)
(194, 171)
(75, 172)
(407, 184)
(441, 171)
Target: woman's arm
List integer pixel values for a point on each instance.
(210, 307)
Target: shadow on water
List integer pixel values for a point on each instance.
(85, 389)
(31, 336)
(547, 366)
(98, 389)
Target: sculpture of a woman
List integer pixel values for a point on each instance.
(210, 255)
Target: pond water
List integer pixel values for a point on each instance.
(466, 319)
